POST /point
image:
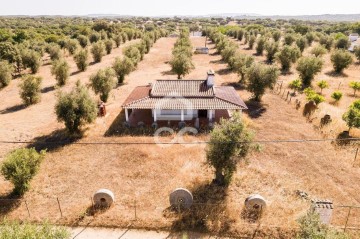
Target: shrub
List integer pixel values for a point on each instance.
(318, 51)
(308, 67)
(312, 95)
(71, 45)
(355, 86)
(6, 71)
(98, 51)
(108, 46)
(271, 49)
(133, 53)
(260, 78)
(295, 85)
(76, 108)
(252, 40)
(60, 69)
(301, 42)
(352, 116)
(94, 37)
(337, 95)
(31, 59)
(222, 152)
(310, 37)
(240, 34)
(81, 60)
(24, 230)
(30, 89)
(326, 41)
(181, 65)
(260, 45)
(276, 35)
(342, 43)
(341, 60)
(357, 53)
(20, 166)
(289, 39)
(117, 39)
(83, 41)
(54, 52)
(103, 82)
(286, 56)
(322, 85)
(122, 68)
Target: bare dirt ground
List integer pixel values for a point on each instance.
(142, 176)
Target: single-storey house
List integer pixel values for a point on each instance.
(354, 44)
(182, 100)
(353, 37)
(201, 50)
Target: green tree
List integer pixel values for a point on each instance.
(98, 51)
(311, 95)
(355, 86)
(289, 39)
(30, 89)
(301, 42)
(271, 49)
(6, 71)
(310, 37)
(261, 77)
(103, 82)
(81, 60)
(276, 35)
(181, 65)
(357, 53)
(308, 67)
(326, 41)
(318, 51)
(241, 63)
(94, 37)
(287, 56)
(252, 40)
(76, 108)
(31, 59)
(229, 143)
(61, 70)
(133, 53)
(83, 41)
(20, 166)
(295, 85)
(322, 85)
(240, 34)
(352, 116)
(260, 46)
(341, 60)
(122, 68)
(109, 46)
(54, 51)
(337, 95)
(342, 43)
(71, 45)
(117, 39)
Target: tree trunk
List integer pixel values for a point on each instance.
(219, 177)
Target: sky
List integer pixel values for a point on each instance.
(178, 7)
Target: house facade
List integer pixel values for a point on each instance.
(182, 100)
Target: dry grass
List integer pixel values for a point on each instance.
(148, 173)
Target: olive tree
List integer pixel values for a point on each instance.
(287, 56)
(133, 53)
(109, 46)
(54, 51)
(103, 82)
(261, 77)
(31, 59)
(6, 71)
(295, 85)
(355, 86)
(341, 60)
(342, 42)
(83, 41)
(241, 63)
(357, 53)
(98, 51)
(230, 142)
(289, 39)
(181, 64)
(337, 95)
(75, 108)
(252, 40)
(20, 166)
(81, 60)
(318, 51)
(308, 67)
(61, 70)
(271, 49)
(323, 84)
(71, 45)
(260, 46)
(301, 42)
(117, 39)
(30, 89)
(122, 68)
(352, 116)
(326, 41)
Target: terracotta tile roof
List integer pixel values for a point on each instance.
(184, 88)
(217, 97)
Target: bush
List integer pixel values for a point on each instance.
(337, 95)
(312, 95)
(98, 51)
(286, 56)
(71, 45)
(276, 35)
(355, 86)
(31, 59)
(81, 60)
(240, 34)
(342, 43)
(271, 49)
(76, 108)
(289, 39)
(6, 71)
(103, 82)
(357, 53)
(117, 39)
(260, 46)
(60, 69)
(20, 166)
(260, 78)
(326, 41)
(301, 42)
(109, 46)
(308, 67)
(295, 85)
(252, 40)
(341, 60)
(224, 156)
(133, 53)
(83, 41)
(12, 230)
(122, 68)
(352, 116)
(94, 37)
(30, 89)
(54, 52)
(322, 85)
(318, 51)
(310, 37)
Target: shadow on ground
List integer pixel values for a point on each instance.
(13, 109)
(255, 109)
(47, 89)
(9, 203)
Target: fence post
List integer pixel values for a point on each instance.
(347, 218)
(356, 153)
(135, 209)
(59, 207)
(27, 208)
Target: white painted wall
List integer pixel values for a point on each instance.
(175, 114)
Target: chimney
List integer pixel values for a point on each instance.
(210, 81)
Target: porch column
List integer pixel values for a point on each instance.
(210, 115)
(154, 115)
(127, 115)
(182, 115)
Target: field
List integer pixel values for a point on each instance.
(142, 176)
